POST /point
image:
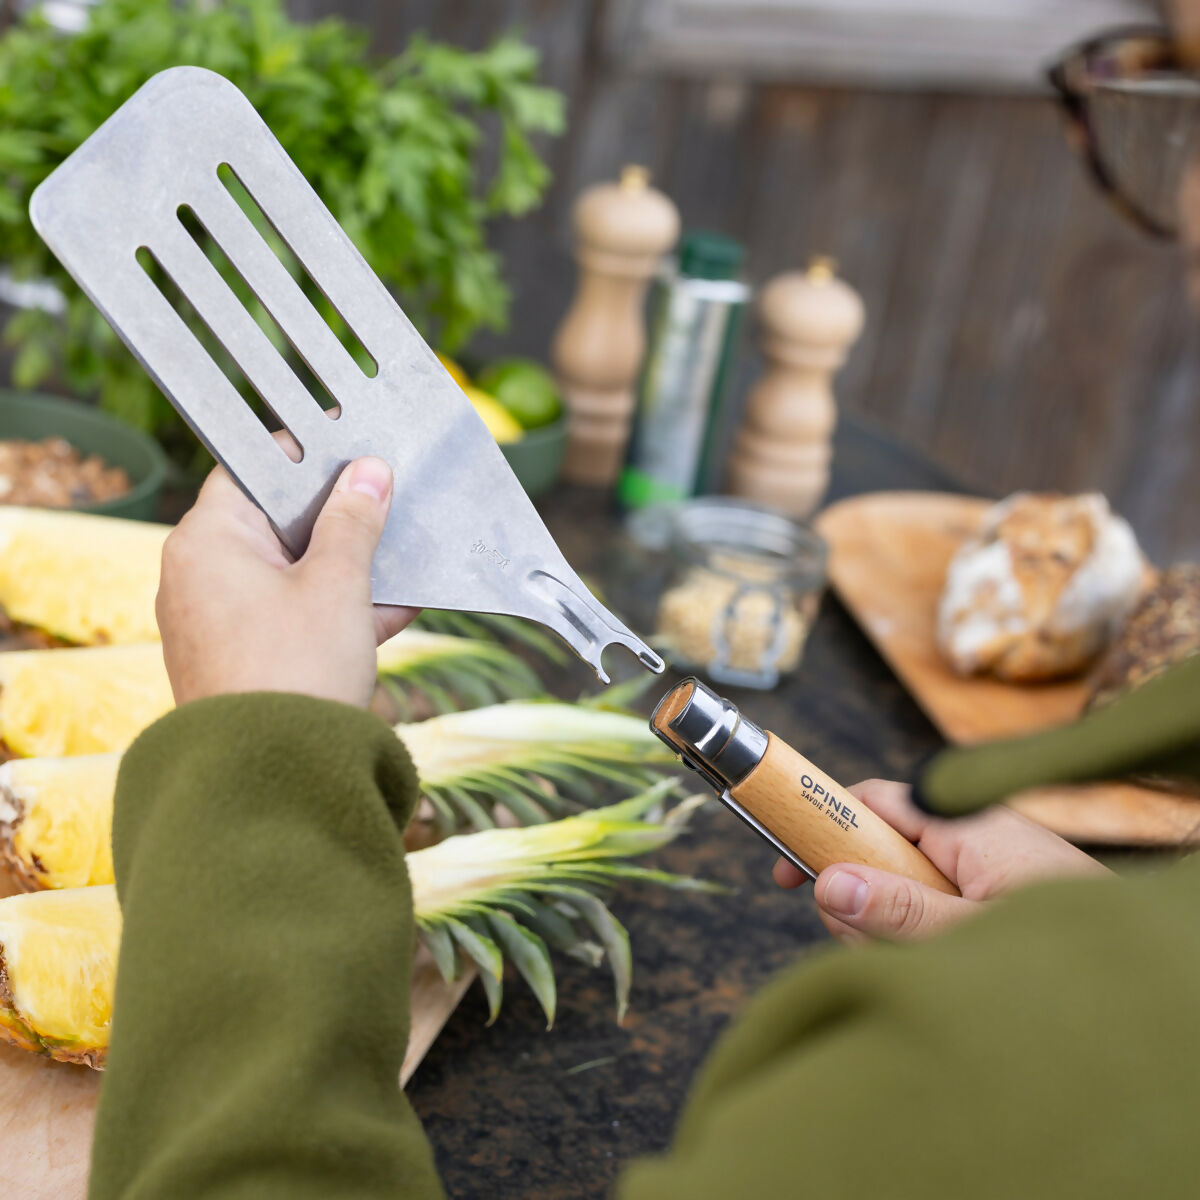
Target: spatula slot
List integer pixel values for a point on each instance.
(328, 311)
(203, 334)
(258, 311)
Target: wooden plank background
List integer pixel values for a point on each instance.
(966, 45)
(1018, 330)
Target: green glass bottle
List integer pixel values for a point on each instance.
(695, 308)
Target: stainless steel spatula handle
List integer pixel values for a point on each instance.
(462, 534)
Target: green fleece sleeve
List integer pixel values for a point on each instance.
(1152, 730)
(262, 1004)
(1046, 1050)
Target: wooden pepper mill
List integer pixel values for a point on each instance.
(781, 455)
(623, 230)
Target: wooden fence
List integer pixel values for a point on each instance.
(1018, 330)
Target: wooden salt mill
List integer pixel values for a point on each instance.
(781, 455)
(623, 230)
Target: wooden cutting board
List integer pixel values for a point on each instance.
(47, 1109)
(888, 557)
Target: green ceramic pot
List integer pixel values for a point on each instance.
(537, 458)
(33, 417)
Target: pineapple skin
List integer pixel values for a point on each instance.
(87, 579)
(16, 1033)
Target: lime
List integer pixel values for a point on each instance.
(500, 422)
(525, 388)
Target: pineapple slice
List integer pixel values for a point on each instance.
(56, 820)
(58, 962)
(86, 579)
(80, 701)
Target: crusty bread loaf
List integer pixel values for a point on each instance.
(1039, 589)
(1163, 629)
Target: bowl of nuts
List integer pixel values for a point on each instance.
(56, 453)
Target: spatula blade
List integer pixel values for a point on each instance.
(462, 534)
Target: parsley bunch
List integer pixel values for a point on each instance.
(390, 146)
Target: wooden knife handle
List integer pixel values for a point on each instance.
(822, 823)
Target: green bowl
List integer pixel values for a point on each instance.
(32, 417)
(537, 458)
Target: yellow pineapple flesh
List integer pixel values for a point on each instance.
(58, 964)
(80, 701)
(86, 579)
(56, 820)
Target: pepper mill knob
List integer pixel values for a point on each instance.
(781, 455)
(622, 231)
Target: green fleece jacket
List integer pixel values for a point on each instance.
(1048, 1048)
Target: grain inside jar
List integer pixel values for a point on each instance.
(743, 594)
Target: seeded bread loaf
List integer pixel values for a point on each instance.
(1040, 589)
(1162, 630)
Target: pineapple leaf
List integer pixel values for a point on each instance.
(478, 947)
(494, 990)
(618, 697)
(526, 811)
(524, 890)
(646, 805)
(470, 808)
(441, 699)
(667, 879)
(450, 670)
(615, 940)
(440, 945)
(506, 753)
(444, 817)
(531, 957)
(493, 985)
(492, 626)
(553, 927)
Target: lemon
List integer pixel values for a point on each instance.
(501, 425)
(454, 371)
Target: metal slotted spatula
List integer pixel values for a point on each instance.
(462, 533)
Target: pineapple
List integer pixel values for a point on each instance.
(504, 893)
(56, 820)
(56, 813)
(85, 579)
(58, 962)
(80, 701)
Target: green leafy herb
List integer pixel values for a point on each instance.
(390, 146)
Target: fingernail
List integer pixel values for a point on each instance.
(845, 894)
(372, 477)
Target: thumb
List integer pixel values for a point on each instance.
(882, 905)
(348, 528)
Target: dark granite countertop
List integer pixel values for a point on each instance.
(517, 1111)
